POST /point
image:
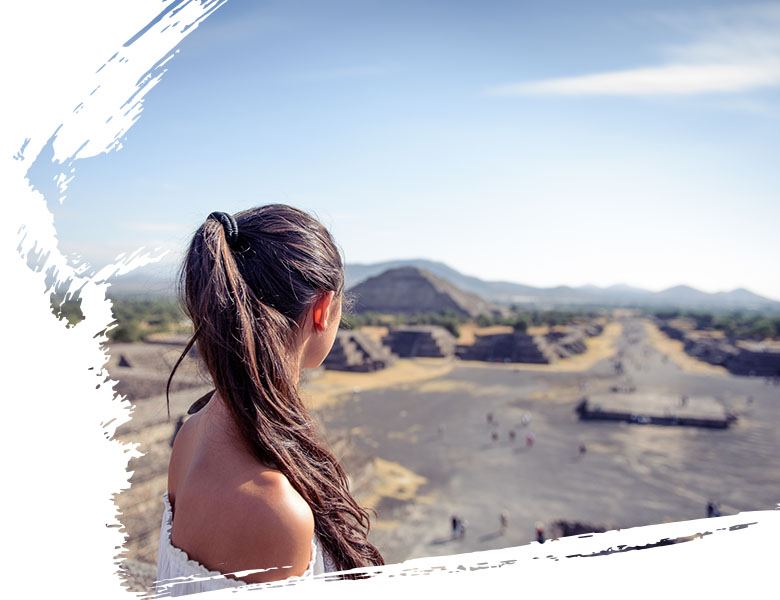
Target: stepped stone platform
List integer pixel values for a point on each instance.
(568, 343)
(740, 357)
(358, 351)
(755, 358)
(421, 340)
(511, 347)
(522, 347)
(656, 409)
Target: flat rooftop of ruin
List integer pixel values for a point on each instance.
(652, 403)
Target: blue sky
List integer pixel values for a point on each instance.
(545, 143)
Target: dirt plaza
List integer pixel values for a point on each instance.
(429, 439)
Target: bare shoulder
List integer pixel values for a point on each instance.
(272, 528)
(261, 522)
(279, 511)
(181, 453)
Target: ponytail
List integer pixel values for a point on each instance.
(246, 284)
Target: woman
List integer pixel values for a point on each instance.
(252, 491)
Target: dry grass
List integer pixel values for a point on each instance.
(333, 385)
(391, 480)
(469, 332)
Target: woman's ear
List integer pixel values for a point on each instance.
(321, 311)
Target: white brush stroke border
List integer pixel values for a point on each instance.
(60, 470)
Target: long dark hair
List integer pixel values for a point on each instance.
(246, 296)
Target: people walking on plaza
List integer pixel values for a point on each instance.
(529, 439)
(455, 526)
(512, 435)
(504, 519)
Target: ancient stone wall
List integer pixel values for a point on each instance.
(422, 340)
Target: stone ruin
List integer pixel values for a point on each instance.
(567, 343)
(755, 358)
(739, 357)
(522, 347)
(420, 340)
(409, 290)
(510, 347)
(357, 351)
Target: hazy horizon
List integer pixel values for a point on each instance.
(169, 268)
(555, 144)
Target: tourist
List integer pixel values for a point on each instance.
(455, 526)
(540, 532)
(462, 527)
(512, 435)
(529, 439)
(504, 520)
(252, 486)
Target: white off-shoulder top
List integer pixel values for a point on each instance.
(177, 575)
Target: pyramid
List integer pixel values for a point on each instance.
(410, 290)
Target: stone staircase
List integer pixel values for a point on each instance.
(358, 351)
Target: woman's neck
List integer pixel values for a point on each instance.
(222, 433)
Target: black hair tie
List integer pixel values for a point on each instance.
(229, 225)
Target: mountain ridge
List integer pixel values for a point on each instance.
(145, 281)
(505, 292)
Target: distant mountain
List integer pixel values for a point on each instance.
(619, 295)
(741, 297)
(414, 290)
(682, 293)
(160, 280)
(622, 288)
